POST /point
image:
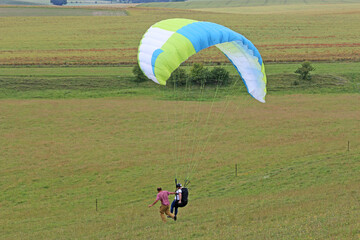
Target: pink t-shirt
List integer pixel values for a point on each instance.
(163, 197)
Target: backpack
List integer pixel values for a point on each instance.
(184, 194)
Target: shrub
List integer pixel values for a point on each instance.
(199, 74)
(139, 75)
(305, 70)
(179, 77)
(218, 76)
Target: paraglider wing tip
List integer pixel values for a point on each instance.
(255, 94)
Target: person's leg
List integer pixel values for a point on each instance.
(168, 212)
(172, 206)
(176, 209)
(162, 212)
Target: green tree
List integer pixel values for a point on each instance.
(139, 75)
(218, 76)
(305, 70)
(199, 74)
(179, 77)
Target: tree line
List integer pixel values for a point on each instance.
(198, 75)
(58, 2)
(201, 76)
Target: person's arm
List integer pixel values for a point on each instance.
(180, 197)
(153, 203)
(172, 193)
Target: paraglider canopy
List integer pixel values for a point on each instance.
(170, 42)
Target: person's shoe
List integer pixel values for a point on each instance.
(174, 218)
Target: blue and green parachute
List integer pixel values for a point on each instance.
(170, 42)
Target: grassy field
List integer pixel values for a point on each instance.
(113, 142)
(47, 2)
(200, 4)
(290, 9)
(41, 11)
(296, 178)
(83, 147)
(105, 81)
(109, 40)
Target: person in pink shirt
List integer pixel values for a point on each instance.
(163, 196)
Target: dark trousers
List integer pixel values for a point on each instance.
(175, 204)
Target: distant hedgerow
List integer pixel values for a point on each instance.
(198, 76)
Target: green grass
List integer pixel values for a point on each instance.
(73, 134)
(126, 71)
(103, 81)
(296, 178)
(51, 71)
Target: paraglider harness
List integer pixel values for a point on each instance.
(184, 194)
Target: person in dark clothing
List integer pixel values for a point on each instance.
(179, 201)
